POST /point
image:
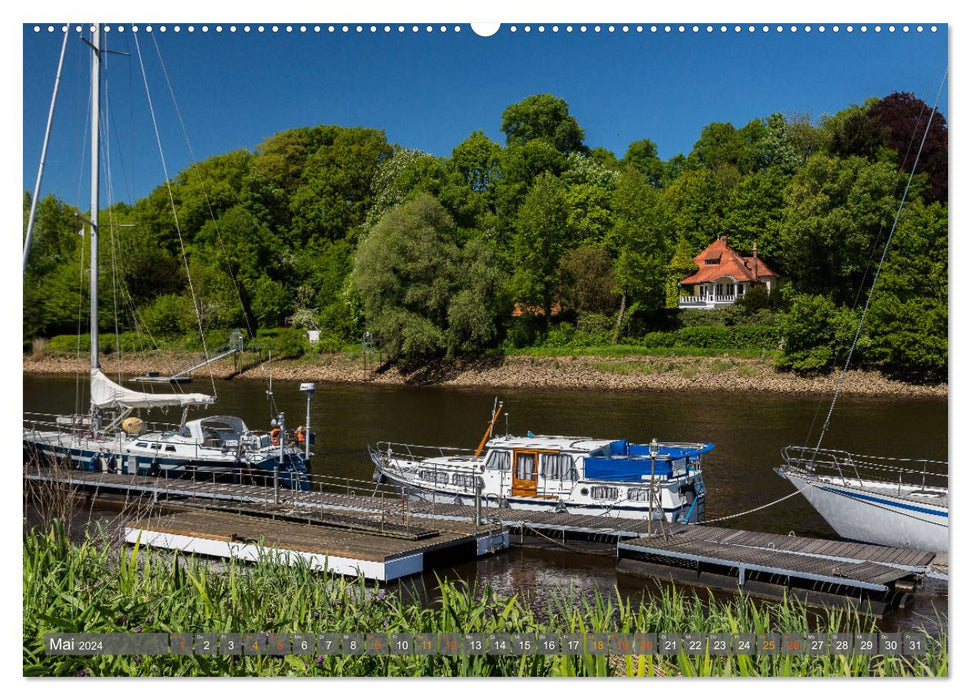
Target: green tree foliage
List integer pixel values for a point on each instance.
(590, 188)
(539, 241)
(853, 132)
(416, 283)
(334, 227)
(638, 245)
(907, 321)
(587, 280)
(642, 157)
(838, 213)
(816, 334)
(543, 118)
(334, 193)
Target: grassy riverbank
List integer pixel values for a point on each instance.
(96, 587)
(617, 368)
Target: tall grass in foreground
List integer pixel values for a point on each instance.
(93, 587)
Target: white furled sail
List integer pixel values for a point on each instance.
(106, 394)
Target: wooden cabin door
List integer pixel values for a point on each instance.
(524, 472)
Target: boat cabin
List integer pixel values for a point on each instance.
(567, 460)
(214, 431)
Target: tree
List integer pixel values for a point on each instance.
(816, 334)
(587, 280)
(415, 283)
(853, 132)
(637, 242)
(904, 118)
(838, 213)
(697, 206)
(334, 194)
(545, 118)
(642, 157)
(590, 187)
(722, 144)
(477, 161)
(540, 239)
(908, 319)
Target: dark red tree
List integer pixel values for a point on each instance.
(905, 118)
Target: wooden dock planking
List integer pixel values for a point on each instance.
(443, 518)
(342, 551)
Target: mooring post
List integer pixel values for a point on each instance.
(276, 484)
(478, 505)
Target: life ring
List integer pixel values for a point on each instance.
(300, 434)
(275, 437)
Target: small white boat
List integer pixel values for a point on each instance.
(881, 500)
(577, 475)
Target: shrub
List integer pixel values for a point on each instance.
(815, 333)
(283, 342)
(68, 344)
(560, 335)
(659, 339)
(705, 337)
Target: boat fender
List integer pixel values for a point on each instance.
(275, 437)
(300, 434)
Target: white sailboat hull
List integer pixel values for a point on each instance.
(868, 513)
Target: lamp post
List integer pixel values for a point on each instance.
(308, 388)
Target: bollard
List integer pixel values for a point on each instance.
(478, 506)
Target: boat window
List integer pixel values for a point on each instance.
(498, 459)
(141, 444)
(466, 481)
(639, 495)
(170, 448)
(599, 493)
(557, 466)
(437, 477)
(156, 446)
(526, 466)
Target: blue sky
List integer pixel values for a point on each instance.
(431, 90)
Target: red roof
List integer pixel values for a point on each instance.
(718, 260)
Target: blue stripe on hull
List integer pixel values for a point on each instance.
(170, 467)
(884, 501)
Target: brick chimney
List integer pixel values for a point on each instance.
(755, 260)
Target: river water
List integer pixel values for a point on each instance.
(748, 430)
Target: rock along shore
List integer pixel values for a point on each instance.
(592, 373)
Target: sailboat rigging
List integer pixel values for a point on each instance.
(110, 438)
(890, 501)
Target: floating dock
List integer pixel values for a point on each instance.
(561, 526)
(343, 548)
(816, 571)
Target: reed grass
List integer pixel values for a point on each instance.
(94, 586)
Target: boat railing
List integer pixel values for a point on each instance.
(857, 468)
(401, 449)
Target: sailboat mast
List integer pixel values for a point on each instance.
(95, 182)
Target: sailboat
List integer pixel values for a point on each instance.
(111, 438)
(881, 500)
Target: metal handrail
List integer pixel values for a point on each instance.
(864, 466)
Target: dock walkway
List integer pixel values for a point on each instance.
(824, 572)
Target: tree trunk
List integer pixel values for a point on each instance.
(620, 316)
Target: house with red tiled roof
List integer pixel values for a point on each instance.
(723, 276)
